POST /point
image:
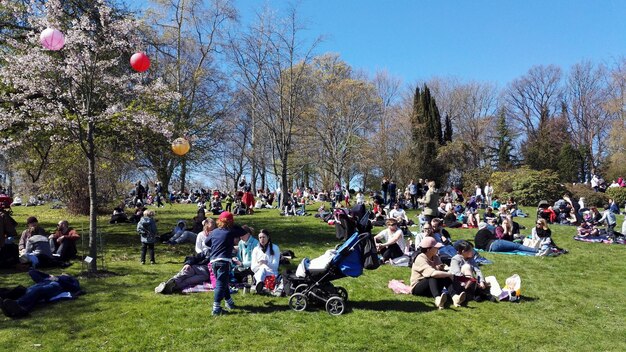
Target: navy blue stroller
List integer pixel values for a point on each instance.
(313, 284)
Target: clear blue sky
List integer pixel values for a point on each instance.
(474, 40)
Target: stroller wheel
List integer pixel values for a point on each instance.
(335, 305)
(301, 288)
(298, 302)
(343, 293)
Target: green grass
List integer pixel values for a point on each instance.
(570, 303)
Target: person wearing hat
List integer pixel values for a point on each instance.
(221, 242)
(428, 276)
(32, 229)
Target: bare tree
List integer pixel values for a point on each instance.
(535, 96)
(185, 36)
(587, 117)
(275, 76)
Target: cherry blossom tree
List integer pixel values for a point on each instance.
(84, 93)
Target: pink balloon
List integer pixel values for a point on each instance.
(140, 62)
(52, 39)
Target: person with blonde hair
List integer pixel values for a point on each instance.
(147, 230)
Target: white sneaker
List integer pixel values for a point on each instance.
(458, 299)
(440, 301)
(160, 288)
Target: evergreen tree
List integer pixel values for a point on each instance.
(427, 136)
(504, 146)
(570, 163)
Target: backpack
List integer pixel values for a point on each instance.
(370, 255)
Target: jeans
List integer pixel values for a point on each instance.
(144, 247)
(508, 246)
(221, 269)
(66, 250)
(44, 289)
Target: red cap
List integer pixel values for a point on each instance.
(226, 215)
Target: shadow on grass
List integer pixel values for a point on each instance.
(268, 308)
(390, 305)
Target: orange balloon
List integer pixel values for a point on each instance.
(180, 146)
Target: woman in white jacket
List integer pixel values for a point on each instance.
(265, 259)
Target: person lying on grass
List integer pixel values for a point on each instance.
(46, 288)
(487, 241)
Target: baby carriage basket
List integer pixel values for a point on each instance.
(313, 278)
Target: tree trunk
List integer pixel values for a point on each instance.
(93, 199)
(183, 174)
(284, 180)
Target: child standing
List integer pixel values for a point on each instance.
(147, 230)
(229, 202)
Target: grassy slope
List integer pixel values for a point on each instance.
(572, 302)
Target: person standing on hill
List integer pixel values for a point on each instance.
(393, 192)
(384, 187)
(431, 202)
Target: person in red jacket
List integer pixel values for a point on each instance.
(63, 241)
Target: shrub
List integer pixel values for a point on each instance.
(592, 198)
(527, 186)
(617, 193)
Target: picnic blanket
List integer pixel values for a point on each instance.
(600, 239)
(399, 287)
(526, 254)
(207, 287)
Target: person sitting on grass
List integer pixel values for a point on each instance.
(243, 261)
(489, 214)
(32, 229)
(428, 277)
(392, 239)
(399, 215)
(63, 241)
(543, 233)
(467, 272)
(180, 235)
(46, 288)
(265, 259)
(450, 220)
(198, 220)
(208, 226)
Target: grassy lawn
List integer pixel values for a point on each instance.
(569, 303)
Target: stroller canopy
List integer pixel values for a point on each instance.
(348, 257)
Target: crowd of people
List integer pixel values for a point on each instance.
(227, 254)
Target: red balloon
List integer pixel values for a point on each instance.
(140, 62)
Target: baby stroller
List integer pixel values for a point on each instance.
(313, 278)
(349, 221)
